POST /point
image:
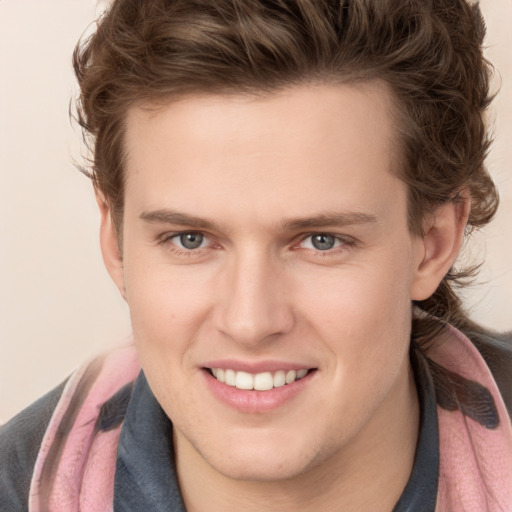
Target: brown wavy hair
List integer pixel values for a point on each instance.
(429, 52)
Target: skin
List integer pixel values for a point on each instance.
(261, 175)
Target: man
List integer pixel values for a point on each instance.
(284, 187)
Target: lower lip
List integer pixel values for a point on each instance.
(256, 401)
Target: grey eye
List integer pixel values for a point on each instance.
(191, 240)
(323, 242)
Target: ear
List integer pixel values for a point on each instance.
(439, 246)
(109, 243)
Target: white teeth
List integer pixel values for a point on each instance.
(291, 376)
(244, 380)
(261, 381)
(279, 378)
(230, 377)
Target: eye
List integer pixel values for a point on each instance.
(189, 241)
(321, 242)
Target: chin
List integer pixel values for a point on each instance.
(257, 470)
(262, 462)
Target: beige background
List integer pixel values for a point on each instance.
(57, 304)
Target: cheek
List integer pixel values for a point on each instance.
(367, 298)
(363, 318)
(167, 312)
(167, 308)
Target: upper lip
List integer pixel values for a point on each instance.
(255, 367)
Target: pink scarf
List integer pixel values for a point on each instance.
(76, 464)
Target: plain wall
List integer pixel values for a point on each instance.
(58, 306)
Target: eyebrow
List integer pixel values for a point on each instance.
(338, 219)
(329, 219)
(178, 218)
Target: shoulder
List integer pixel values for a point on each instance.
(496, 349)
(20, 440)
(95, 396)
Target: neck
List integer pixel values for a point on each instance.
(369, 474)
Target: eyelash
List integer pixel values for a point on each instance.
(167, 238)
(345, 242)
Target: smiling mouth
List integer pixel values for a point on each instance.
(263, 381)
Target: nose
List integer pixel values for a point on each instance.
(253, 306)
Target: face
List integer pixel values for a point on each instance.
(269, 273)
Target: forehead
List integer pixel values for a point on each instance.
(330, 144)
